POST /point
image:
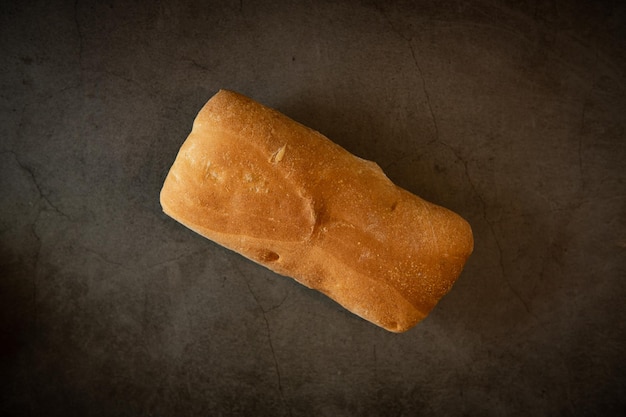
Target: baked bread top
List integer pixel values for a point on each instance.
(286, 197)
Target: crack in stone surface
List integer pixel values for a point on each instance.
(35, 182)
(105, 259)
(425, 90)
(280, 303)
(580, 144)
(409, 41)
(80, 36)
(269, 335)
(47, 204)
(483, 204)
(583, 118)
(176, 259)
(197, 64)
(375, 364)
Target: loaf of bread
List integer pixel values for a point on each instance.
(286, 197)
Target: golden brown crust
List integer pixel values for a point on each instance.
(283, 195)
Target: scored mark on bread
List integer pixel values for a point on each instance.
(279, 154)
(257, 183)
(212, 173)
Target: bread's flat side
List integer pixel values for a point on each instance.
(283, 195)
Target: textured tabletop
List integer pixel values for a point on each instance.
(509, 113)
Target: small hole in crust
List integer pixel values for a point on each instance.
(394, 205)
(268, 256)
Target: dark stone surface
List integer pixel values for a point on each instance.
(510, 113)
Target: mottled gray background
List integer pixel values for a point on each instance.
(510, 113)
